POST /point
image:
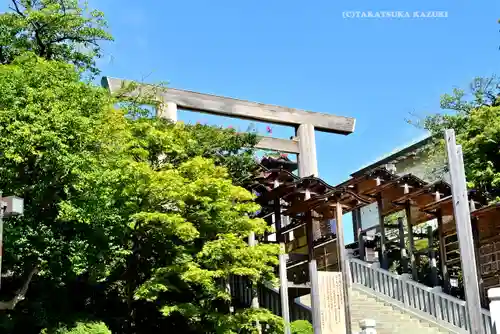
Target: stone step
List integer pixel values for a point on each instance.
(389, 319)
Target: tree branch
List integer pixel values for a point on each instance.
(20, 295)
(74, 38)
(36, 27)
(16, 8)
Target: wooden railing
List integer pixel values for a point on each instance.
(401, 291)
(269, 298)
(422, 300)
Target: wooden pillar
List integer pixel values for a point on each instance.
(475, 237)
(313, 276)
(402, 245)
(477, 245)
(325, 258)
(411, 249)
(356, 223)
(285, 306)
(432, 257)
(308, 163)
(361, 245)
(167, 110)
(442, 253)
(464, 231)
(383, 252)
(254, 292)
(344, 266)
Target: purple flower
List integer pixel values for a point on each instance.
(230, 127)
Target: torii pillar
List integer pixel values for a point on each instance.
(303, 144)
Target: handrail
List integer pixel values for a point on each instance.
(425, 301)
(400, 290)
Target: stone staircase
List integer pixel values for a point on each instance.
(396, 302)
(388, 319)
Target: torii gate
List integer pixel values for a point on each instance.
(303, 144)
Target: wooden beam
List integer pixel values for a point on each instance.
(282, 257)
(383, 252)
(442, 253)
(226, 106)
(402, 245)
(432, 257)
(411, 249)
(278, 144)
(313, 273)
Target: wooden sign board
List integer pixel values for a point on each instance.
(331, 302)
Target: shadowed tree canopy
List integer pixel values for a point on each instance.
(55, 30)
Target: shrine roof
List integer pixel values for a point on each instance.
(381, 173)
(305, 187)
(312, 182)
(273, 184)
(407, 179)
(439, 186)
(436, 205)
(487, 210)
(347, 198)
(281, 162)
(446, 203)
(269, 176)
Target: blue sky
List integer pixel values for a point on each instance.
(306, 55)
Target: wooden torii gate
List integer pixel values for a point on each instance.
(303, 144)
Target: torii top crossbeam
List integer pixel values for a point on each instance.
(226, 106)
(305, 122)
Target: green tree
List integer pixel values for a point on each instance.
(56, 133)
(301, 327)
(188, 232)
(475, 118)
(53, 29)
(82, 328)
(129, 211)
(128, 219)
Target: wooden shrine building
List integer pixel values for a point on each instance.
(308, 225)
(417, 202)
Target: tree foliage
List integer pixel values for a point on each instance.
(82, 328)
(53, 29)
(55, 133)
(301, 327)
(127, 211)
(475, 118)
(129, 219)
